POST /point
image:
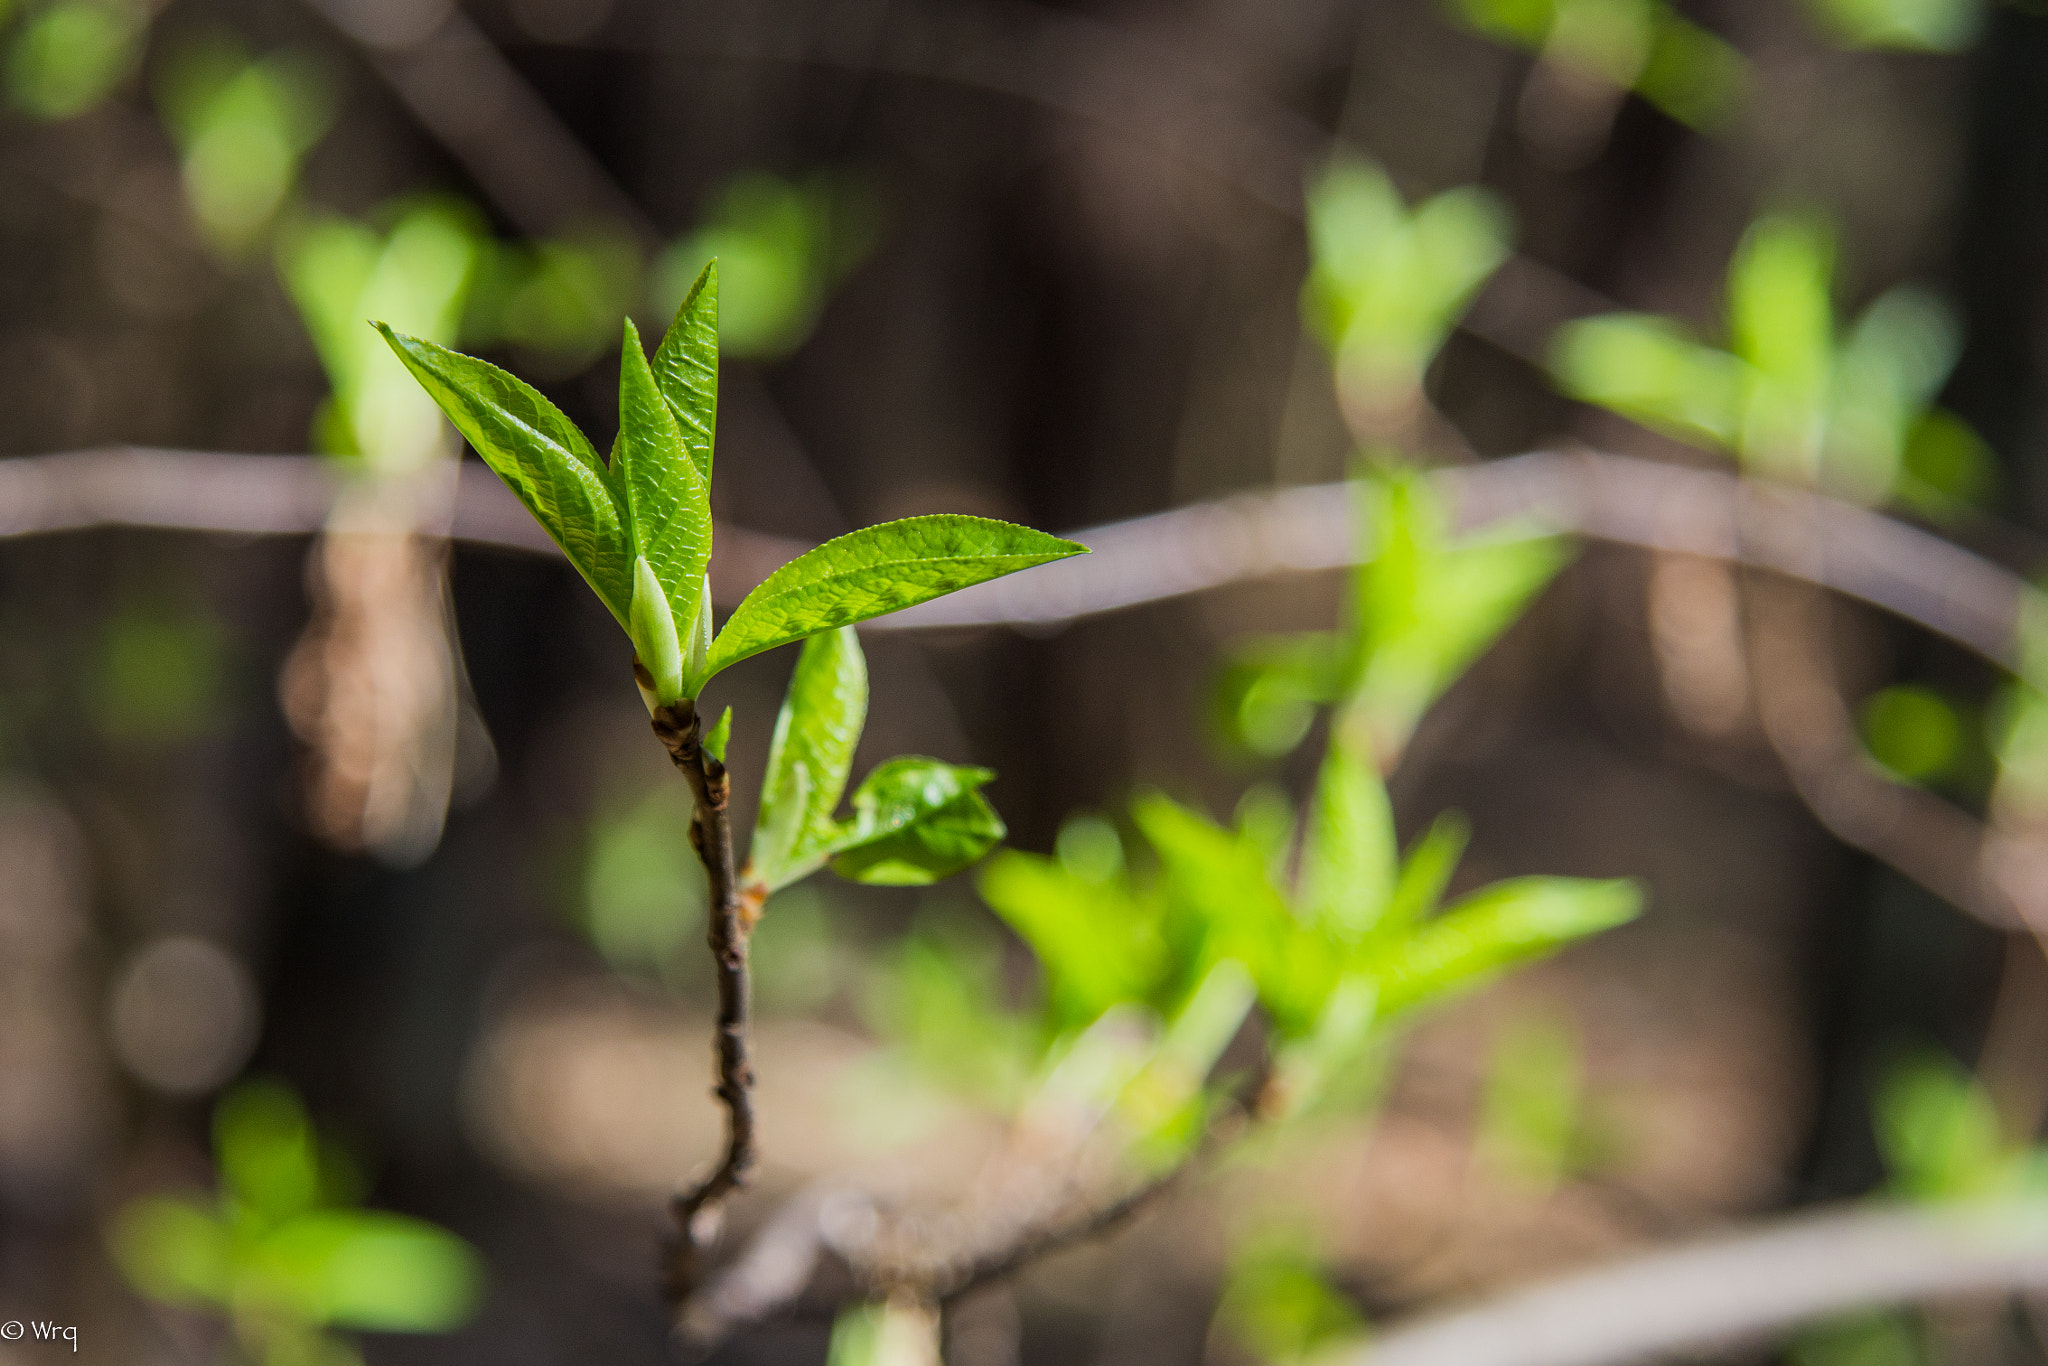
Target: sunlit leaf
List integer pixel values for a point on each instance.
(809, 758)
(265, 1146)
(1099, 942)
(539, 454)
(174, 1251)
(1941, 1134)
(666, 499)
(1648, 369)
(876, 570)
(357, 1269)
(1220, 888)
(1922, 25)
(715, 739)
(916, 820)
(1426, 873)
(1507, 923)
(1348, 853)
(686, 368)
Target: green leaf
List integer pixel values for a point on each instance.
(1098, 942)
(916, 820)
(1426, 607)
(539, 453)
(1507, 923)
(264, 1145)
(1648, 369)
(876, 570)
(1431, 862)
(1223, 900)
(686, 368)
(652, 626)
(809, 758)
(377, 1271)
(933, 845)
(174, 1251)
(668, 504)
(715, 738)
(1348, 855)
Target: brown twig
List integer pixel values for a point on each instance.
(698, 1211)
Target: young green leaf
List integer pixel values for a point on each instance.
(1431, 862)
(715, 738)
(668, 505)
(1348, 855)
(1225, 903)
(539, 453)
(876, 570)
(915, 821)
(652, 626)
(808, 760)
(367, 1269)
(1507, 923)
(1099, 943)
(686, 369)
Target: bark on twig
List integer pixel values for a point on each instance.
(698, 1210)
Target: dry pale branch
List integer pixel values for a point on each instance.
(1861, 554)
(1735, 1288)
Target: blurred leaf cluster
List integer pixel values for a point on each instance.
(243, 126)
(416, 272)
(1852, 413)
(1151, 970)
(64, 57)
(1423, 604)
(1642, 45)
(281, 1252)
(1387, 283)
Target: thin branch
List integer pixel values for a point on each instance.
(698, 1211)
(1889, 564)
(1734, 1288)
(1930, 840)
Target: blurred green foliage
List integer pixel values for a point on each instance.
(643, 890)
(1642, 45)
(242, 126)
(158, 672)
(280, 1253)
(1852, 414)
(556, 300)
(1423, 605)
(1532, 1115)
(417, 270)
(1328, 928)
(65, 57)
(1884, 1339)
(781, 246)
(1915, 25)
(1278, 1304)
(1942, 1137)
(1386, 283)
(1913, 731)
